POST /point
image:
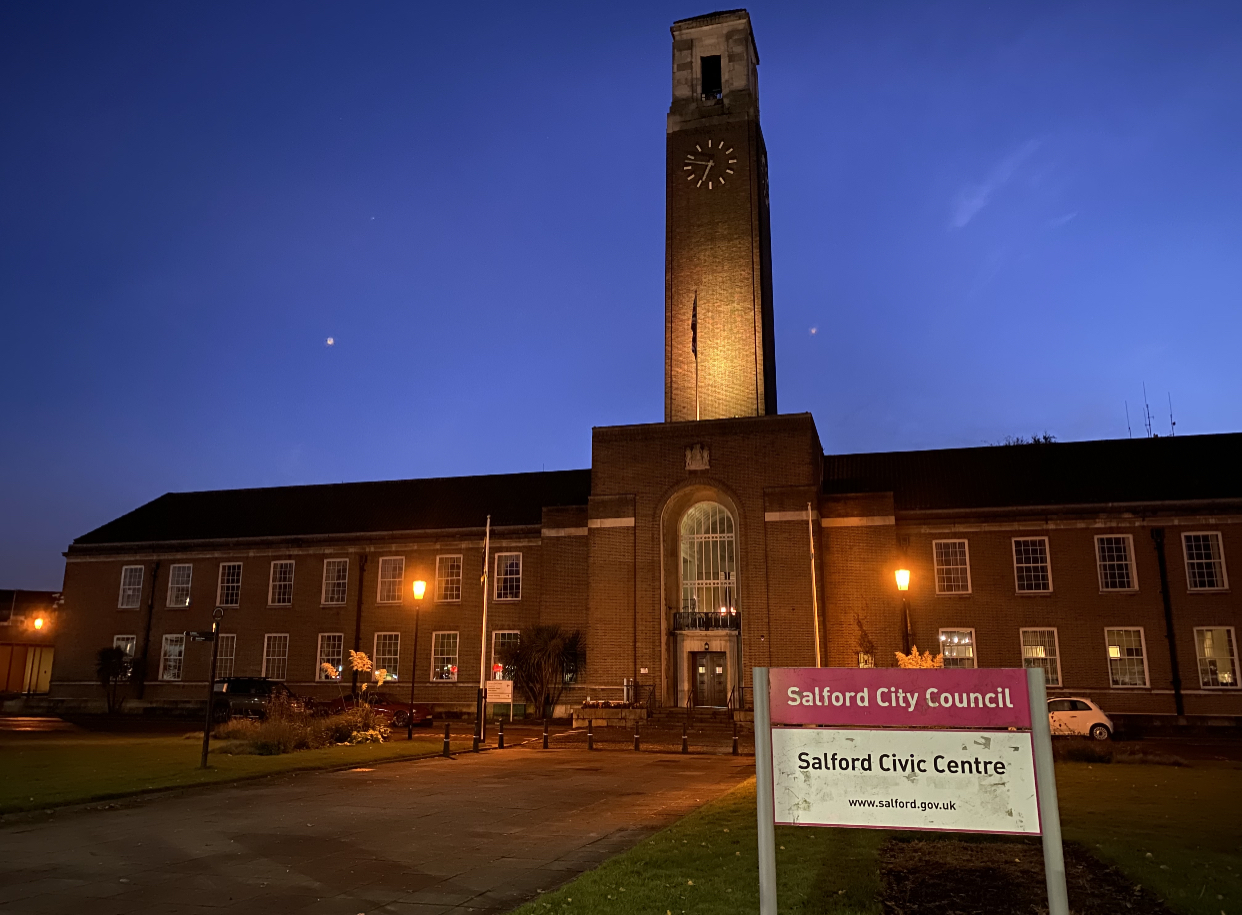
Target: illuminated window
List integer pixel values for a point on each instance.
(1205, 563)
(958, 647)
(391, 574)
(500, 642)
(227, 653)
(131, 588)
(280, 585)
(127, 644)
(228, 589)
(1115, 559)
(1030, 564)
(448, 579)
(171, 657)
(1127, 657)
(335, 581)
(331, 653)
(1039, 649)
(179, 585)
(708, 560)
(1218, 657)
(275, 656)
(866, 660)
(952, 566)
(387, 653)
(444, 656)
(508, 576)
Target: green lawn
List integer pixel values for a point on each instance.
(1188, 819)
(43, 771)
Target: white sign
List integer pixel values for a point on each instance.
(499, 690)
(968, 781)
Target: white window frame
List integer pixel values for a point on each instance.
(974, 646)
(220, 584)
(1220, 546)
(387, 563)
(172, 640)
(271, 582)
(442, 580)
(335, 562)
(1199, 659)
(457, 657)
(492, 673)
(120, 598)
(1047, 563)
(1099, 563)
(189, 585)
(1142, 643)
(229, 639)
(267, 640)
(128, 644)
(496, 587)
(936, 567)
(1056, 647)
(394, 671)
(321, 658)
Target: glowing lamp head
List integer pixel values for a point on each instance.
(420, 588)
(38, 623)
(903, 579)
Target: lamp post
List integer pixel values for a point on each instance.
(903, 585)
(420, 588)
(217, 615)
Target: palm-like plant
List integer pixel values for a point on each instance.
(544, 661)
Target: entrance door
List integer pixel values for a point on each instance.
(710, 680)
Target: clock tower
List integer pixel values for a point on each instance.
(719, 353)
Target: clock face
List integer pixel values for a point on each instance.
(709, 166)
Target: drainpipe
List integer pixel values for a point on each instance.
(362, 569)
(141, 666)
(1157, 536)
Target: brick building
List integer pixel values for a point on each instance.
(697, 548)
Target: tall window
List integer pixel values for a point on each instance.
(228, 589)
(1127, 657)
(388, 653)
(709, 71)
(1205, 562)
(127, 644)
(708, 560)
(335, 581)
(1030, 564)
(391, 574)
(275, 656)
(958, 647)
(331, 656)
(131, 588)
(508, 576)
(1218, 657)
(280, 586)
(1039, 649)
(952, 566)
(448, 579)
(500, 642)
(179, 585)
(227, 654)
(171, 656)
(444, 656)
(1114, 556)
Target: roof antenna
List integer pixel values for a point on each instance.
(1172, 423)
(1129, 433)
(1146, 411)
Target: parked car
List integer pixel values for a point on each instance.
(249, 697)
(1078, 717)
(388, 705)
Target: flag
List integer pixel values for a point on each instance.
(694, 325)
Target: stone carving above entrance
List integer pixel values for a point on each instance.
(698, 457)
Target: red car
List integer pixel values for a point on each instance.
(389, 706)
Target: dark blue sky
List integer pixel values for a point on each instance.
(988, 219)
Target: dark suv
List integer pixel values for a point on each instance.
(250, 697)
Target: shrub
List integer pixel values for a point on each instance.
(288, 729)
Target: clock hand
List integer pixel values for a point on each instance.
(706, 171)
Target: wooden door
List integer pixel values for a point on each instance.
(710, 678)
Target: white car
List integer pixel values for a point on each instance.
(1078, 717)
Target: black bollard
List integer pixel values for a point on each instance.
(635, 733)
(685, 740)
(446, 738)
(590, 735)
(545, 733)
(735, 738)
(500, 737)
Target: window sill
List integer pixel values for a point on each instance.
(1119, 590)
(338, 604)
(1207, 590)
(954, 593)
(1034, 593)
(1115, 686)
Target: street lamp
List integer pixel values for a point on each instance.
(38, 623)
(903, 585)
(420, 588)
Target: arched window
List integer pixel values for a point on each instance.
(708, 560)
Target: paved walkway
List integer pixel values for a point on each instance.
(478, 833)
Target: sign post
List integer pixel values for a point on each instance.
(952, 750)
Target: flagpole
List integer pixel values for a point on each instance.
(480, 730)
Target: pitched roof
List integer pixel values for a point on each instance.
(347, 508)
(1185, 468)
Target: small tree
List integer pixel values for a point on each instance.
(112, 669)
(914, 660)
(544, 661)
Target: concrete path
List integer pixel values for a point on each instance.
(478, 833)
